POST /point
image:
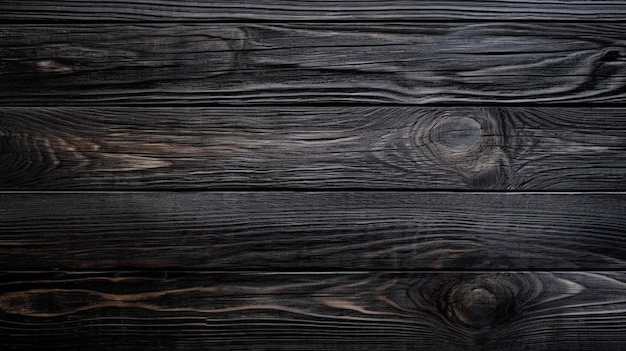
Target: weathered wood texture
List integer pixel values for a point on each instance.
(319, 230)
(160, 10)
(311, 311)
(315, 147)
(249, 99)
(368, 63)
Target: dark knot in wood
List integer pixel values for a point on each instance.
(480, 303)
(471, 142)
(456, 135)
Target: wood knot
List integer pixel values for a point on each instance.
(470, 142)
(460, 134)
(481, 303)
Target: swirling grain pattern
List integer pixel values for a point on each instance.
(313, 175)
(314, 147)
(310, 63)
(258, 311)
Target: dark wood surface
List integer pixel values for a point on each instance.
(313, 175)
(314, 147)
(248, 10)
(314, 311)
(279, 231)
(312, 63)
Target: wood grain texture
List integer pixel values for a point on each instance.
(314, 147)
(356, 63)
(160, 10)
(312, 230)
(310, 311)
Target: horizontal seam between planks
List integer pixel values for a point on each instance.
(184, 103)
(310, 270)
(316, 190)
(247, 21)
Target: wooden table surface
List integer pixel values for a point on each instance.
(313, 175)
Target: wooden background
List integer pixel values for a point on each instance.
(313, 175)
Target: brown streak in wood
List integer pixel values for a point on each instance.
(426, 311)
(315, 147)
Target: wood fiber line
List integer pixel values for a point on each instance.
(368, 311)
(312, 231)
(314, 147)
(323, 63)
(159, 10)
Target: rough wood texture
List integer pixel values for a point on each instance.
(160, 10)
(428, 63)
(320, 230)
(308, 211)
(310, 311)
(391, 147)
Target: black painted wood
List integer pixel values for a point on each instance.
(357, 63)
(133, 96)
(160, 10)
(315, 147)
(312, 231)
(313, 311)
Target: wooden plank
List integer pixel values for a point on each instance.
(311, 311)
(314, 147)
(312, 231)
(160, 10)
(356, 63)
